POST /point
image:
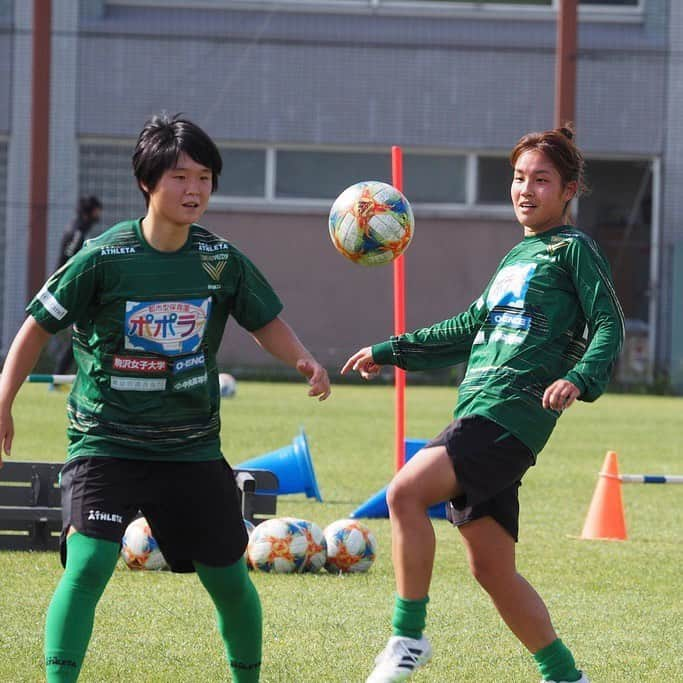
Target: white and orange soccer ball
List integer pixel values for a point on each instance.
(371, 223)
(351, 546)
(249, 526)
(278, 545)
(316, 550)
(139, 549)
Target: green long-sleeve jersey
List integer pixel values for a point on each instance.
(549, 312)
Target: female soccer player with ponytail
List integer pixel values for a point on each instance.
(545, 332)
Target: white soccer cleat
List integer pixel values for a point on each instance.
(399, 659)
(583, 679)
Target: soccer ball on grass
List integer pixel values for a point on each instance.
(351, 546)
(278, 545)
(316, 549)
(139, 549)
(227, 384)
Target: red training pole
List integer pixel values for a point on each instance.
(399, 325)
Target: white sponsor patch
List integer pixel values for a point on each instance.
(52, 306)
(138, 383)
(506, 337)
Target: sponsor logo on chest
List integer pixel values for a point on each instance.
(117, 251)
(137, 383)
(171, 328)
(139, 365)
(190, 383)
(520, 321)
(212, 248)
(184, 364)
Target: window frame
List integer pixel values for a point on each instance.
(452, 8)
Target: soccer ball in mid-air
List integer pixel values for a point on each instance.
(351, 546)
(316, 550)
(371, 223)
(278, 545)
(139, 549)
(227, 384)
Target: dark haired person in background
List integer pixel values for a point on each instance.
(88, 214)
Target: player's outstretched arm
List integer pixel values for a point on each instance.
(363, 363)
(278, 338)
(22, 357)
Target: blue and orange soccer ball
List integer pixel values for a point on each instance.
(278, 545)
(371, 223)
(139, 548)
(351, 547)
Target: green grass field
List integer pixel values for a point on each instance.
(616, 604)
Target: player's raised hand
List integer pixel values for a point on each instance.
(316, 376)
(560, 395)
(363, 363)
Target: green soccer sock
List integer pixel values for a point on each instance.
(409, 617)
(238, 610)
(556, 663)
(71, 614)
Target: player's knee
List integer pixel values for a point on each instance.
(401, 497)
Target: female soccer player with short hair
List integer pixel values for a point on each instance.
(545, 332)
(148, 301)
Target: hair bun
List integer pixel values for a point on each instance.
(567, 132)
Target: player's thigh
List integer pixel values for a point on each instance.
(428, 478)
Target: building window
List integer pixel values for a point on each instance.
(244, 172)
(434, 179)
(323, 175)
(494, 176)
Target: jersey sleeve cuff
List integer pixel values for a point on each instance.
(576, 380)
(382, 353)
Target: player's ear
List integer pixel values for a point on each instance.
(570, 190)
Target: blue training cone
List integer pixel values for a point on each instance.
(292, 465)
(376, 506)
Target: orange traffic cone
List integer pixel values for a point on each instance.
(605, 518)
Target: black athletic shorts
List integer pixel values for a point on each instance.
(193, 508)
(489, 463)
